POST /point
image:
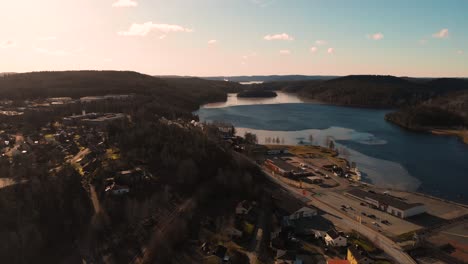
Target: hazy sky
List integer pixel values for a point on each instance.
(233, 37)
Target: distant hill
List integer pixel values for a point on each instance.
(257, 94)
(269, 78)
(6, 73)
(370, 90)
(446, 111)
(183, 93)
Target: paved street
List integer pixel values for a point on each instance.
(347, 222)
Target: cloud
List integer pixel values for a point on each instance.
(125, 3)
(212, 41)
(57, 52)
(162, 36)
(330, 50)
(282, 36)
(375, 36)
(47, 38)
(145, 28)
(285, 52)
(248, 56)
(460, 52)
(313, 49)
(320, 42)
(443, 33)
(7, 44)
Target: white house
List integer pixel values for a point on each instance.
(335, 239)
(304, 212)
(243, 207)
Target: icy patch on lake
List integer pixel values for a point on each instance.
(383, 173)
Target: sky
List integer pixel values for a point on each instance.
(420, 38)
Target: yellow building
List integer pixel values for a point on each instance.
(357, 256)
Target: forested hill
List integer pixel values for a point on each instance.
(187, 93)
(447, 111)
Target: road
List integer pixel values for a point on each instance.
(386, 244)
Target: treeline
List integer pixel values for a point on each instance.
(424, 117)
(448, 111)
(370, 90)
(43, 217)
(184, 93)
(256, 93)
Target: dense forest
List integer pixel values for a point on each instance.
(447, 111)
(422, 102)
(256, 93)
(48, 215)
(183, 93)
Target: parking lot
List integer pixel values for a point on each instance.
(353, 208)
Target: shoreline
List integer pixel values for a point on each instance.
(461, 134)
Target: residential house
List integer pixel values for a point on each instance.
(304, 212)
(358, 256)
(243, 207)
(287, 257)
(335, 239)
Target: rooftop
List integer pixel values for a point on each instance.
(283, 164)
(384, 199)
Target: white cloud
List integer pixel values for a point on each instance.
(375, 36)
(285, 52)
(145, 28)
(7, 44)
(313, 49)
(460, 52)
(443, 33)
(57, 52)
(125, 3)
(47, 38)
(320, 42)
(248, 56)
(212, 41)
(162, 36)
(330, 50)
(282, 36)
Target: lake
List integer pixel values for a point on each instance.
(387, 155)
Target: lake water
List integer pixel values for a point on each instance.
(387, 155)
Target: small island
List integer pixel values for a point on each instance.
(257, 94)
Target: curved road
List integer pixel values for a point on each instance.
(386, 244)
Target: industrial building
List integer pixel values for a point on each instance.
(388, 203)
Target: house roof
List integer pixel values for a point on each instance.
(384, 199)
(305, 209)
(283, 164)
(333, 234)
(337, 261)
(316, 223)
(220, 251)
(357, 253)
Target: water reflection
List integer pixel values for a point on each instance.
(233, 100)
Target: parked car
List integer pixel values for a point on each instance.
(363, 213)
(385, 222)
(372, 216)
(363, 204)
